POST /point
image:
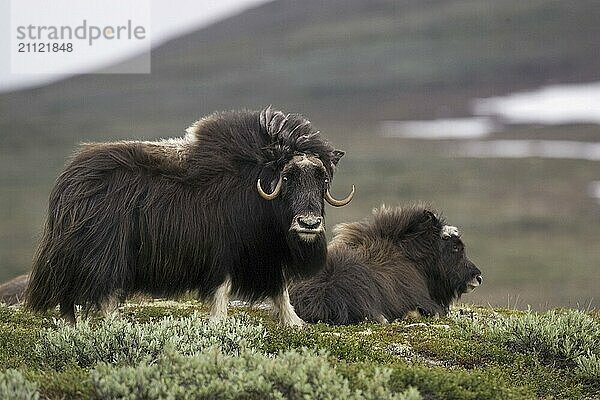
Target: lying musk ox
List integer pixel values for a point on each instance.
(402, 260)
(13, 291)
(234, 208)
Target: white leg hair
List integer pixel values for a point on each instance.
(381, 319)
(220, 300)
(284, 310)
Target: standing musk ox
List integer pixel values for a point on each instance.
(13, 291)
(235, 207)
(402, 260)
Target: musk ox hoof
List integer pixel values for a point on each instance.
(285, 311)
(293, 320)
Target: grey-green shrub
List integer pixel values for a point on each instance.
(570, 338)
(588, 368)
(250, 375)
(118, 341)
(14, 386)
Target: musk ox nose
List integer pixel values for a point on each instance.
(476, 280)
(309, 222)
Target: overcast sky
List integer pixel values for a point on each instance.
(169, 18)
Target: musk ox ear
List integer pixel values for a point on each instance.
(427, 221)
(336, 155)
(421, 222)
(430, 216)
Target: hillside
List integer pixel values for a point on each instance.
(166, 349)
(347, 65)
(338, 61)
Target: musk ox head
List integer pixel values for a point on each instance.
(298, 175)
(462, 274)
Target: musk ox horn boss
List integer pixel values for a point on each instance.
(402, 260)
(234, 208)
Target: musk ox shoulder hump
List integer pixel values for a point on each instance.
(268, 138)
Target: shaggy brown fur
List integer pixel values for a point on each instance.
(166, 217)
(383, 268)
(13, 291)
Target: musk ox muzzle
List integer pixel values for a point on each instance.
(308, 226)
(476, 279)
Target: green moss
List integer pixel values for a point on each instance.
(19, 331)
(357, 343)
(442, 383)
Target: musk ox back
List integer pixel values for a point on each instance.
(235, 207)
(401, 260)
(13, 291)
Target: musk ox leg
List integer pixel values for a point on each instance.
(67, 312)
(284, 310)
(220, 300)
(110, 305)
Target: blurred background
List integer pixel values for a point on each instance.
(486, 109)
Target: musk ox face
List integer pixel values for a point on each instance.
(463, 275)
(301, 204)
(300, 189)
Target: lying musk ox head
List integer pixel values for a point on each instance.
(463, 275)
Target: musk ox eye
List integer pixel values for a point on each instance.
(455, 248)
(285, 178)
(326, 180)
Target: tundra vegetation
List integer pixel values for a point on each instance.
(163, 349)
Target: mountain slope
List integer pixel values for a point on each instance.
(336, 61)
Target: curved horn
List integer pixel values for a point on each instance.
(339, 203)
(272, 195)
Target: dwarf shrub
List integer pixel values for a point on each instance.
(15, 387)
(250, 375)
(118, 341)
(588, 368)
(570, 338)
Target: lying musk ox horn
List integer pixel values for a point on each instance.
(272, 195)
(339, 203)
